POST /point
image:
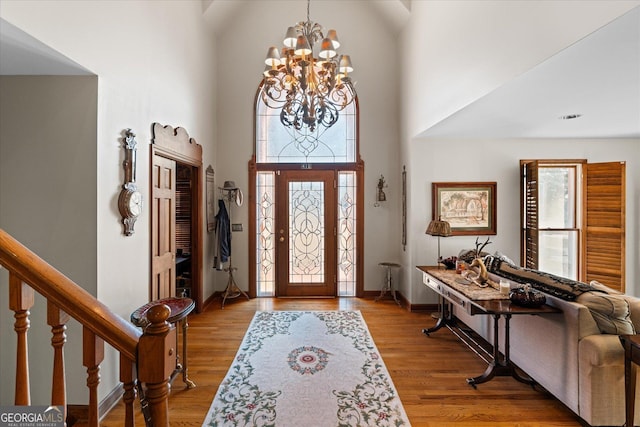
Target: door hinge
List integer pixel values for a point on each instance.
(335, 231)
(335, 184)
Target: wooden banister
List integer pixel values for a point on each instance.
(146, 359)
(63, 292)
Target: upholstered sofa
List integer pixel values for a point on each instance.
(568, 355)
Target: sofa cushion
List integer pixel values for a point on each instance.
(610, 311)
(604, 288)
(600, 350)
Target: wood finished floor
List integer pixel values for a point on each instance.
(429, 372)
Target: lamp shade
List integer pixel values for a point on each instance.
(302, 46)
(273, 57)
(326, 50)
(291, 37)
(345, 64)
(439, 228)
(333, 36)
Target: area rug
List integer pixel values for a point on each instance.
(307, 369)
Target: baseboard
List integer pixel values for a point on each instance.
(215, 295)
(111, 400)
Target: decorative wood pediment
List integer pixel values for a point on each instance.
(177, 143)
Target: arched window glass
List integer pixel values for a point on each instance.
(276, 143)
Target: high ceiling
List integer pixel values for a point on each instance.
(597, 78)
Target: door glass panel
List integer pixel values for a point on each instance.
(347, 233)
(306, 232)
(265, 236)
(558, 253)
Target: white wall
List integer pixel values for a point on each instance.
(155, 63)
(48, 202)
(456, 52)
(242, 48)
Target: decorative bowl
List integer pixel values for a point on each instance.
(450, 263)
(526, 296)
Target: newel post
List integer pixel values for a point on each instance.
(156, 361)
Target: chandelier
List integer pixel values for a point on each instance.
(310, 90)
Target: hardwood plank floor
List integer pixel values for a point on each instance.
(429, 372)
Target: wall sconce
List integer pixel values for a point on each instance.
(380, 196)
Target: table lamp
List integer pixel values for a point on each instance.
(439, 228)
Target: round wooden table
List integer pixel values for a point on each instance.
(180, 309)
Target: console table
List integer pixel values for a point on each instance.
(484, 301)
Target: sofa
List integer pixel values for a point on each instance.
(567, 353)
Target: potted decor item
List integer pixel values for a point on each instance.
(526, 296)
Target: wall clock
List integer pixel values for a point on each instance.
(130, 199)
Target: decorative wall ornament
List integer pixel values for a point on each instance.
(404, 207)
(380, 195)
(130, 199)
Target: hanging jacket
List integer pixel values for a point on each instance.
(223, 232)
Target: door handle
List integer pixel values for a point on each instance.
(281, 239)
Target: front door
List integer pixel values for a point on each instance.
(306, 233)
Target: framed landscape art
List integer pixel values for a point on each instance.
(469, 207)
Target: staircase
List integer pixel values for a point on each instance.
(146, 358)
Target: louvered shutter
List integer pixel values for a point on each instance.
(605, 224)
(530, 220)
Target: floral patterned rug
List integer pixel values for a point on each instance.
(307, 368)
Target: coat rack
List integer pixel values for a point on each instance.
(230, 194)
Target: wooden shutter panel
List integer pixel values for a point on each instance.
(183, 208)
(605, 224)
(530, 225)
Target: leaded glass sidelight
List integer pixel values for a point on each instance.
(346, 233)
(265, 234)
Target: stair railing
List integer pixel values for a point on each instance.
(146, 359)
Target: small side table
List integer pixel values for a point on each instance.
(180, 309)
(631, 344)
(388, 284)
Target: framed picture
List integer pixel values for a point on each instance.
(211, 215)
(469, 207)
